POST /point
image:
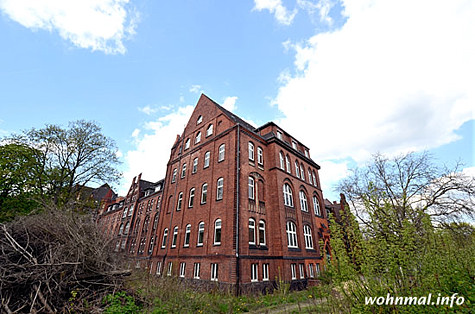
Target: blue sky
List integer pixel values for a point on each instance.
(347, 78)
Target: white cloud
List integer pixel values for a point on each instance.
(323, 8)
(148, 110)
(152, 149)
(398, 76)
(92, 24)
(195, 89)
(330, 174)
(135, 133)
(229, 103)
(276, 7)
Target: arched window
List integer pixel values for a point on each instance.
(187, 143)
(262, 232)
(251, 188)
(209, 130)
(165, 235)
(251, 151)
(195, 165)
(314, 178)
(307, 232)
(206, 162)
(204, 193)
(201, 233)
(221, 152)
(288, 200)
(287, 163)
(199, 120)
(252, 231)
(198, 138)
(309, 176)
(302, 174)
(303, 201)
(260, 156)
(145, 223)
(281, 158)
(316, 206)
(191, 199)
(155, 222)
(219, 189)
(180, 200)
(183, 170)
(297, 172)
(291, 234)
(121, 228)
(174, 175)
(175, 236)
(187, 235)
(217, 232)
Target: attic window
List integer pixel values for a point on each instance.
(279, 135)
(200, 119)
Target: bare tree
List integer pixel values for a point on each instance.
(389, 192)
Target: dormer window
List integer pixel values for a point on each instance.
(200, 119)
(294, 144)
(279, 135)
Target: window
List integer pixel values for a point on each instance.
(209, 130)
(317, 269)
(254, 272)
(187, 143)
(306, 153)
(170, 267)
(125, 213)
(151, 244)
(159, 268)
(265, 272)
(287, 163)
(217, 232)
(155, 222)
(297, 172)
(195, 165)
(192, 197)
(262, 232)
(302, 174)
(198, 138)
(316, 206)
(303, 201)
(175, 236)
(165, 235)
(206, 163)
(201, 233)
(309, 176)
(183, 170)
(219, 189)
(251, 151)
(252, 231)
(260, 156)
(281, 157)
(291, 235)
(174, 175)
(310, 270)
(251, 188)
(204, 193)
(127, 227)
(196, 271)
(131, 210)
(314, 178)
(302, 271)
(293, 271)
(199, 120)
(180, 200)
(214, 272)
(221, 152)
(187, 236)
(279, 135)
(294, 144)
(288, 200)
(145, 223)
(121, 228)
(307, 232)
(182, 269)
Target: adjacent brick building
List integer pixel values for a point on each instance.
(241, 206)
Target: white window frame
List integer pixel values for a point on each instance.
(265, 272)
(175, 171)
(201, 234)
(183, 170)
(254, 272)
(214, 272)
(191, 198)
(198, 138)
(199, 120)
(175, 236)
(219, 189)
(164, 238)
(204, 193)
(279, 135)
(314, 178)
(186, 242)
(291, 229)
(260, 156)
(195, 165)
(302, 271)
(288, 197)
(262, 231)
(293, 271)
(187, 143)
(159, 269)
(317, 270)
(209, 130)
(307, 232)
(316, 206)
(282, 162)
(251, 151)
(287, 163)
(303, 201)
(302, 172)
(252, 231)
(182, 269)
(297, 169)
(217, 231)
(251, 190)
(180, 201)
(310, 176)
(196, 270)
(294, 144)
(170, 268)
(310, 270)
(206, 161)
(221, 152)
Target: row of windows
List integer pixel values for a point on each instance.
(196, 270)
(221, 154)
(311, 273)
(294, 143)
(289, 200)
(291, 230)
(209, 131)
(299, 170)
(260, 154)
(200, 236)
(204, 194)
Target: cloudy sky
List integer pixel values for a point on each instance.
(348, 78)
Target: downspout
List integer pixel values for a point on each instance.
(238, 152)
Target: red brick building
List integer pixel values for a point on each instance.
(241, 206)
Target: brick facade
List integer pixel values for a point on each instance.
(243, 204)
